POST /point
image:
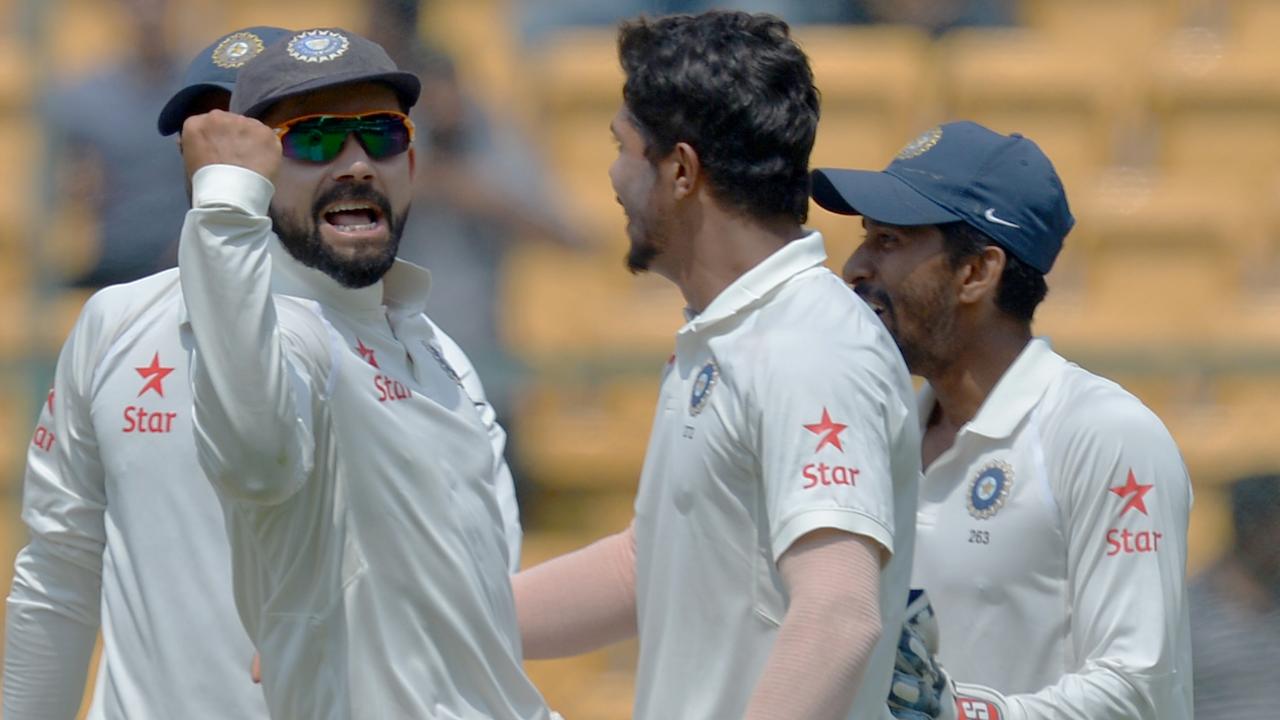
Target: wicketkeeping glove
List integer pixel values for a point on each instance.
(921, 688)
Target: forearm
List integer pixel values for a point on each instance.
(1097, 693)
(579, 602)
(830, 629)
(51, 624)
(244, 403)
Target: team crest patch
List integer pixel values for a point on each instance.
(316, 46)
(236, 49)
(702, 387)
(989, 489)
(920, 145)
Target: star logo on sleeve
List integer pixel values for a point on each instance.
(1134, 492)
(154, 374)
(366, 353)
(829, 430)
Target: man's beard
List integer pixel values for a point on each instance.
(928, 345)
(309, 248)
(646, 242)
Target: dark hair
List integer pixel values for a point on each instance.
(737, 89)
(1022, 287)
(1255, 504)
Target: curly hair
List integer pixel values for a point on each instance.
(739, 91)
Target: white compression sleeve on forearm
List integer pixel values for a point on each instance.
(579, 602)
(831, 627)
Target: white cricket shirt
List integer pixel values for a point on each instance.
(785, 409)
(121, 518)
(1053, 543)
(368, 554)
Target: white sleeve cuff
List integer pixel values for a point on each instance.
(231, 185)
(846, 519)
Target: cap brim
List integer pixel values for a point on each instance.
(878, 196)
(406, 86)
(175, 112)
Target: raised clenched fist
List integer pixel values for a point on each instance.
(220, 137)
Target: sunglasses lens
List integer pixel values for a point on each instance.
(310, 142)
(321, 139)
(384, 136)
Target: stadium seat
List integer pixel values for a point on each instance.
(293, 14)
(876, 91)
(560, 303)
(20, 146)
(84, 34)
(1252, 22)
(17, 78)
(1217, 107)
(587, 434)
(1071, 102)
(1160, 261)
(1125, 30)
(578, 89)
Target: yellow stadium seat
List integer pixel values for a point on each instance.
(557, 302)
(1252, 22)
(1217, 107)
(1072, 103)
(1160, 260)
(587, 434)
(1125, 30)
(578, 89)
(17, 74)
(294, 14)
(876, 91)
(20, 146)
(86, 34)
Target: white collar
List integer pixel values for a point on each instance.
(1015, 394)
(785, 263)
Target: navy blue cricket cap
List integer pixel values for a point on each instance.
(1003, 185)
(215, 68)
(315, 59)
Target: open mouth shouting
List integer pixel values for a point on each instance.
(355, 219)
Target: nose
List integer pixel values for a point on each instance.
(353, 163)
(858, 268)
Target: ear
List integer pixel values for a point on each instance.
(980, 274)
(413, 162)
(688, 170)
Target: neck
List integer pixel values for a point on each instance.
(964, 383)
(722, 247)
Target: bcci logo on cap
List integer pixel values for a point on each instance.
(236, 50)
(316, 46)
(989, 489)
(921, 145)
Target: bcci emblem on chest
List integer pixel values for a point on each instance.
(989, 489)
(703, 384)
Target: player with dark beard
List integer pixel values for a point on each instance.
(356, 475)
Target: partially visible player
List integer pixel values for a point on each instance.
(368, 553)
(1054, 508)
(774, 524)
(124, 526)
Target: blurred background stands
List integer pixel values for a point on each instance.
(1163, 117)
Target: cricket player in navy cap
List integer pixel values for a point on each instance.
(334, 421)
(124, 526)
(1052, 525)
(124, 530)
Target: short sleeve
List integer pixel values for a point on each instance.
(826, 421)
